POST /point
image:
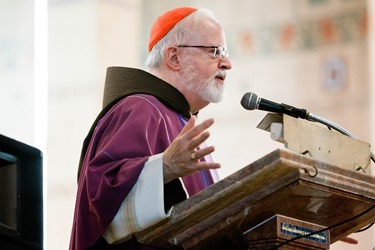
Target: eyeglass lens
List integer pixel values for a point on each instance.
(220, 52)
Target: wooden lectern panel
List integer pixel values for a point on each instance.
(281, 182)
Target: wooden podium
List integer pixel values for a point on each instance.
(280, 197)
(280, 185)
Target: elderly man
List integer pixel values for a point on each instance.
(145, 152)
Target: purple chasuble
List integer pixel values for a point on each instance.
(135, 128)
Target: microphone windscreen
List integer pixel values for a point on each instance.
(249, 101)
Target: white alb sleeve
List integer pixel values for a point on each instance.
(143, 207)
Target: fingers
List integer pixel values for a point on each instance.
(197, 155)
(196, 135)
(189, 125)
(192, 136)
(207, 165)
(191, 131)
(201, 127)
(181, 158)
(349, 240)
(198, 140)
(201, 153)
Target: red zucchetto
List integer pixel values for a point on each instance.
(166, 22)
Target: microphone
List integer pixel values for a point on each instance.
(251, 101)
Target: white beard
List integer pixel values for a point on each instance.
(211, 91)
(208, 90)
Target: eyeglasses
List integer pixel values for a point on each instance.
(218, 52)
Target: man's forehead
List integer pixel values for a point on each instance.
(209, 32)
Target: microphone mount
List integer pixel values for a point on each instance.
(251, 101)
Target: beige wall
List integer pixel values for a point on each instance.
(278, 52)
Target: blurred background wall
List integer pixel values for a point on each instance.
(313, 54)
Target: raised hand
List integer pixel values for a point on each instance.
(181, 158)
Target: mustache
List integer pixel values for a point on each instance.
(221, 74)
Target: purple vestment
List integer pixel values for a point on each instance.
(135, 128)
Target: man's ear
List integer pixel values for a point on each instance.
(172, 58)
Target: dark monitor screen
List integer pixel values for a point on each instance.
(21, 195)
(8, 191)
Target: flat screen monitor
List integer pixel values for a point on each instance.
(21, 195)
